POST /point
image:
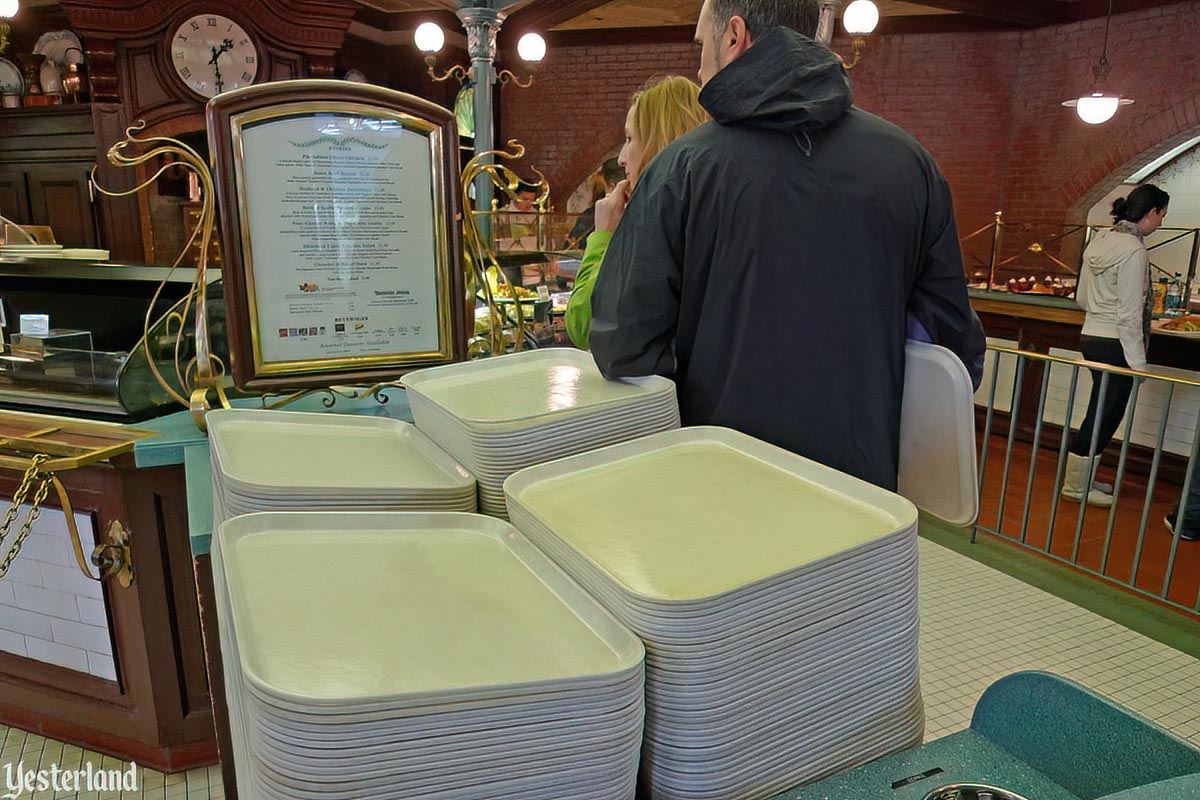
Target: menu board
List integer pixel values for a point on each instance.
(341, 261)
(339, 213)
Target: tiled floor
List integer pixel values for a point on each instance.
(977, 625)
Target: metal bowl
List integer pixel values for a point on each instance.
(971, 791)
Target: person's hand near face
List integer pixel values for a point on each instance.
(610, 210)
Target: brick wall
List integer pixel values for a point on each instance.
(1067, 166)
(575, 112)
(985, 104)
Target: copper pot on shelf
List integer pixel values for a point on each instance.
(72, 80)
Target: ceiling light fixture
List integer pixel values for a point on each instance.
(1099, 105)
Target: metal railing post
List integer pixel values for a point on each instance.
(1033, 458)
(1062, 456)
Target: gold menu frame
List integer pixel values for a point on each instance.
(229, 116)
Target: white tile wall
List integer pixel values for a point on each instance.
(1005, 376)
(59, 654)
(102, 666)
(92, 611)
(48, 610)
(12, 643)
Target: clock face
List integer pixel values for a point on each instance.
(213, 54)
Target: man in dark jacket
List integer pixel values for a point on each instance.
(771, 261)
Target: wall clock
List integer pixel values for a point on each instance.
(212, 54)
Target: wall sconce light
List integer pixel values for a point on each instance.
(8, 10)
(430, 38)
(1098, 106)
(860, 20)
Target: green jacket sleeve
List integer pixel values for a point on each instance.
(579, 307)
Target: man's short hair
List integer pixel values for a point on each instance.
(763, 15)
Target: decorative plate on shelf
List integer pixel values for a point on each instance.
(11, 81)
(55, 44)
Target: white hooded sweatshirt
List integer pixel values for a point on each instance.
(1114, 290)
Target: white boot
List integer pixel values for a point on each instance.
(1074, 478)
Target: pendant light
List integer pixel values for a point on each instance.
(1098, 106)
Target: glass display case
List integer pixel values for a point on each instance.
(536, 249)
(1039, 258)
(93, 362)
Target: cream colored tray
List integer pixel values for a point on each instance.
(360, 608)
(284, 449)
(536, 385)
(698, 512)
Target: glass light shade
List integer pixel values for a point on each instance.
(429, 37)
(861, 18)
(9, 8)
(1096, 108)
(531, 47)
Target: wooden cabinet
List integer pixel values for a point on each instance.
(14, 195)
(46, 156)
(59, 197)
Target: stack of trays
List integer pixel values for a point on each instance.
(416, 656)
(777, 600)
(503, 414)
(286, 461)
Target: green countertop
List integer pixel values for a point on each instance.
(180, 442)
(1041, 736)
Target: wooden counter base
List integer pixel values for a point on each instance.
(158, 711)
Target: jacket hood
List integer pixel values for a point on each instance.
(784, 82)
(1109, 248)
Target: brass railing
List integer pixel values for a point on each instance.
(41, 452)
(1039, 247)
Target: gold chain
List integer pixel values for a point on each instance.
(33, 476)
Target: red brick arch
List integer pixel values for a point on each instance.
(1130, 151)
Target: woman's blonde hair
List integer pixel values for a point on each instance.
(667, 108)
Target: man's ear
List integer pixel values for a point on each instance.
(736, 38)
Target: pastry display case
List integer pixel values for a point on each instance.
(91, 360)
(1040, 258)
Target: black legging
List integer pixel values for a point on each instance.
(1116, 395)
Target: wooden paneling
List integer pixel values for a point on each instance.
(897, 8)
(59, 198)
(635, 14)
(14, 194)
(45, 157)
(47, 134)
(1025, 13)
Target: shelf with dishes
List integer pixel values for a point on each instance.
(52, 74)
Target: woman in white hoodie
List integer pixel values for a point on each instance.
(1115, 291)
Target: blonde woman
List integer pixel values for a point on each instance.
(662, 112)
